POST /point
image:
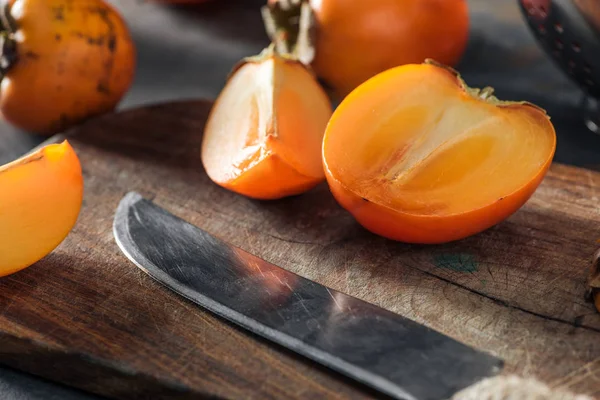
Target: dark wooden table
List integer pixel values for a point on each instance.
(187, 53)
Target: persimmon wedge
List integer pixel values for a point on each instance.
(417, 156)
(264, 133)
(40, 200)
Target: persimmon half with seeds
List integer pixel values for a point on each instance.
(264, 133)
(417, 156)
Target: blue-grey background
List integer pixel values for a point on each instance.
(187, 53)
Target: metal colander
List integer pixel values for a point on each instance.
(569, 32)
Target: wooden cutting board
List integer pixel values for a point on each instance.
(87, 317)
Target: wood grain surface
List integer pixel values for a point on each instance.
(87, 317)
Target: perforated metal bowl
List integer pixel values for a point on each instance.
(569, 32)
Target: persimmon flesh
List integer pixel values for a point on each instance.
(417, 156)
(40, 201)
(264, 133)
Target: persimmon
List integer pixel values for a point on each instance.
(64, 61)
(416, 155)
(355, 40)
(264, 133)
(40, 201)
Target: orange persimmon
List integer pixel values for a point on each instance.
(355, 40)
(264, 133)
(65, 61)
(40, 201)
(417, 156)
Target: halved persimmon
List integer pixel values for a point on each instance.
(417, 156)
(40, 201)
(264, 133)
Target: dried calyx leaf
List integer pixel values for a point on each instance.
(8, 44)
(487, 93)
(290, 24)
(593, 283)
(267, 53)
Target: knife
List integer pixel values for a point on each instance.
(378, 348)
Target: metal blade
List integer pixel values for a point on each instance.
(381, 349)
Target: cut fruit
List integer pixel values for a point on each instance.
(417, 156)
(40, 201)
(264, 134)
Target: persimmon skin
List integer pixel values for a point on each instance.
(40, 201)
(399, 225)
(356, 40)
(426, 229)
(75, 60)
(271, 180)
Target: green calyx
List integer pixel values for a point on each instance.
(8, 44)
(290, 24)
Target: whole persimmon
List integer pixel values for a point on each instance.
(355, 40)
(417, 156)
(64, 61)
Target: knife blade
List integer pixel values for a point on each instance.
(378, 348)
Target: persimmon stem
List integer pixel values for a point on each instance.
(8, 22)
(290, 26)
(8, 44)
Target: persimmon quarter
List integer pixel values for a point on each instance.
(40, 201)
(417, 156)
(264, 133)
